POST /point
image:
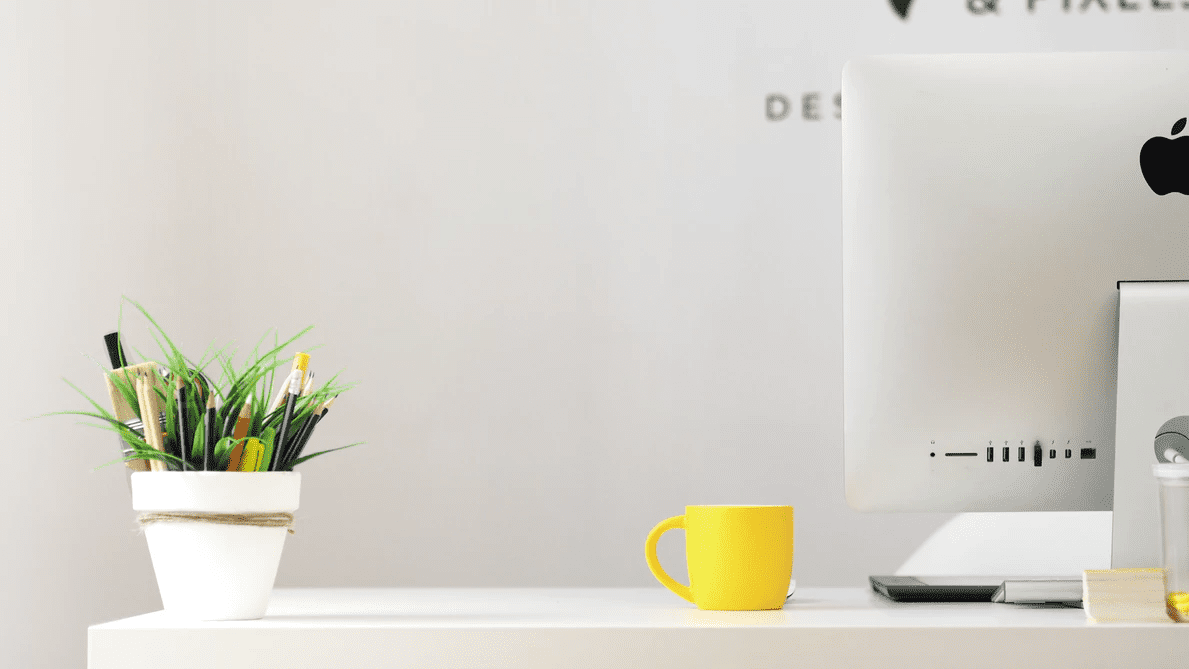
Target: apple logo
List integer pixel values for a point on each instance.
(1165, 162)
(901, 8)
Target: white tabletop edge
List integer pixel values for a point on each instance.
(607, 608)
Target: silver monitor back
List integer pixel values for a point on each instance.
(990, 205)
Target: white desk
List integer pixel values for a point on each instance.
(619, 627)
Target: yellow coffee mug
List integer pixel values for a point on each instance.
(740, 558)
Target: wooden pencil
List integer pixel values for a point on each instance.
(279, 400)
(147, 419)
(241, 430)
(126, 408)
(290, 403)
(298, 448)
(301, 362)
(144, 417)
(293, 439)
(183, 435)
(229, 421)
(301, 435)
(154, 406)
(208, 436)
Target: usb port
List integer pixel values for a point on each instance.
(1021, 456)
(1088, 453)
(1006, 453)
(990, 454)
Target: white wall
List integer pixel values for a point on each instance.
(581, 279)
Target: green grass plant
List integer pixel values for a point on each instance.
(252, 378)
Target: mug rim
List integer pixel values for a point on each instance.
(738, 506)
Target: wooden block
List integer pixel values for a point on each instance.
(125, 411)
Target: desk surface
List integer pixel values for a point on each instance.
(595, 627)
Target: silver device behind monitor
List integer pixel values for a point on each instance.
(991, 203)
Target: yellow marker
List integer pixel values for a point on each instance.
(253, 454)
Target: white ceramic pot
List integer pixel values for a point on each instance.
(209, 571)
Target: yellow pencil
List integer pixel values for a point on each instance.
(301, 363)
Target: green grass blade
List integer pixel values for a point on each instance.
(303, 458)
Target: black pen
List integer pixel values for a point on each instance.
(114, 350)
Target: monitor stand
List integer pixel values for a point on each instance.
(1151, 426)
(1151, 411)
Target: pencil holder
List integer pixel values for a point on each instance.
(215, 538)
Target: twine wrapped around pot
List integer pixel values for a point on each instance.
(253, 519)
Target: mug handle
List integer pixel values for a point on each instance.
(654, 564)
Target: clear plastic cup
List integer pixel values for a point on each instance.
(1174, 533)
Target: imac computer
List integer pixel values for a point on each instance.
(991, 206)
